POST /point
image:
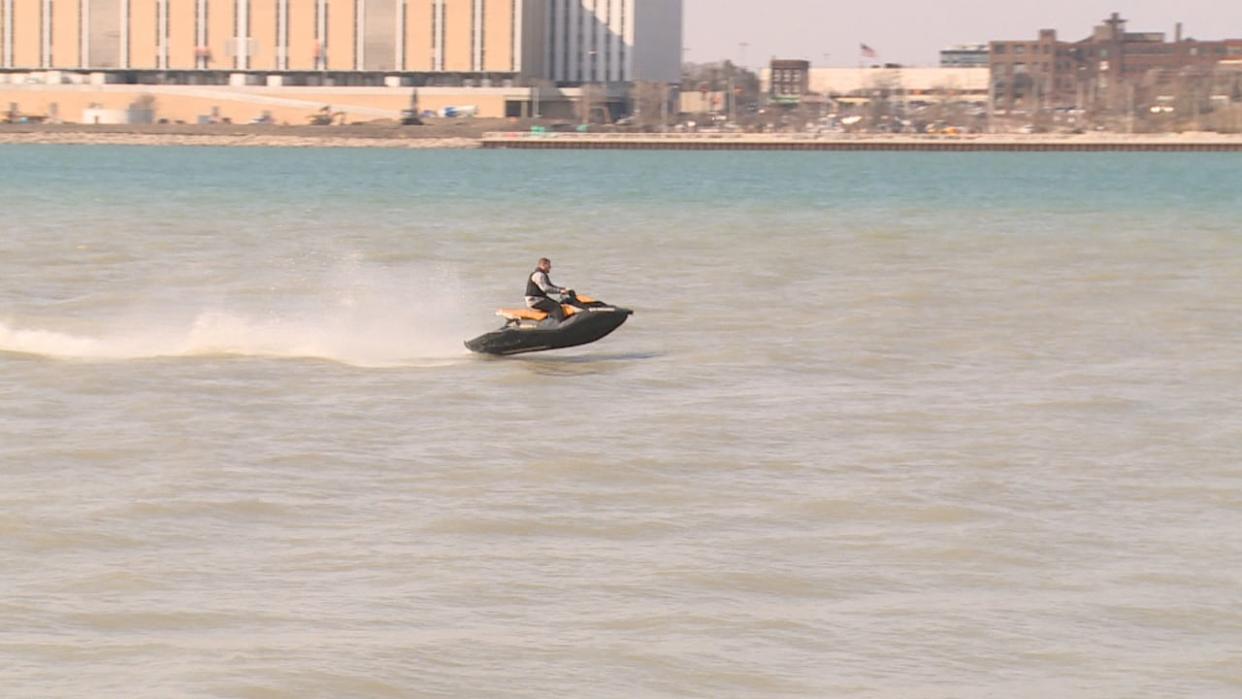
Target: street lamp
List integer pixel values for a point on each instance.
(732, 96)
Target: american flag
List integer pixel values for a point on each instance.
(867, 51)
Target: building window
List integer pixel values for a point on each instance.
(608, 39)
(478, 11)
(553, 39)
(198, 61)
(435, 28)
(590, 40)
(51, 30)
(564, 38)
(621, 53)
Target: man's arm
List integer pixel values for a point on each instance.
(543, 282)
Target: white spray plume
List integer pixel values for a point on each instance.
(356, 315)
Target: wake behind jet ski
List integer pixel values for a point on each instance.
(549, 324)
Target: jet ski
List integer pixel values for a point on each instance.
(531, 330)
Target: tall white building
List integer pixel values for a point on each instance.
(566, 41)
(600, 41)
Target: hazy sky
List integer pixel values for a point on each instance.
(910, 32)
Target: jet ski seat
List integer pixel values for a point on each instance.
(531, 313)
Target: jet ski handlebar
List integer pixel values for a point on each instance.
(571, 298)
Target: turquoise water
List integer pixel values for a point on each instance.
(933, 425)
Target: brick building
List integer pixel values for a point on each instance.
(964, 56)
(790, 80)
(1102, 71)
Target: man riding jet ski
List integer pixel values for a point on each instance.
(546, 324)
(539, 285)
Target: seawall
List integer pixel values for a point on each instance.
(1197, 142)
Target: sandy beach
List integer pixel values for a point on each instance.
(461, 134)
(232, 140)
(501, 133)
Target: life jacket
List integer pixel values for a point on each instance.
(532, 289)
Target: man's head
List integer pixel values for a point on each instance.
(545, 265)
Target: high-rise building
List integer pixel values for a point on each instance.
(571, 41)
(612, 40)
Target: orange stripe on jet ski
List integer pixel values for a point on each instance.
(530, 313)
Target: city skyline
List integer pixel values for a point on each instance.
(751, 33)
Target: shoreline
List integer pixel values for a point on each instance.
(236, 141)
(245, 136)
(1092, 142)
(466, 136)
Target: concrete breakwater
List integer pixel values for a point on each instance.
(837, 142)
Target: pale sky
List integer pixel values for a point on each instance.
(910, 32)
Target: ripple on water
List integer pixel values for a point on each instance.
(985, 447)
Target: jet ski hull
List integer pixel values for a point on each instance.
(582, 328)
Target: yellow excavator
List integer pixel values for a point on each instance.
(326, 117)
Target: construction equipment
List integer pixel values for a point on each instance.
(326, 117)
(14, 115)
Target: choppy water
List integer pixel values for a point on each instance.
(884, 425)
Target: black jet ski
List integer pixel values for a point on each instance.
(530, 330)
